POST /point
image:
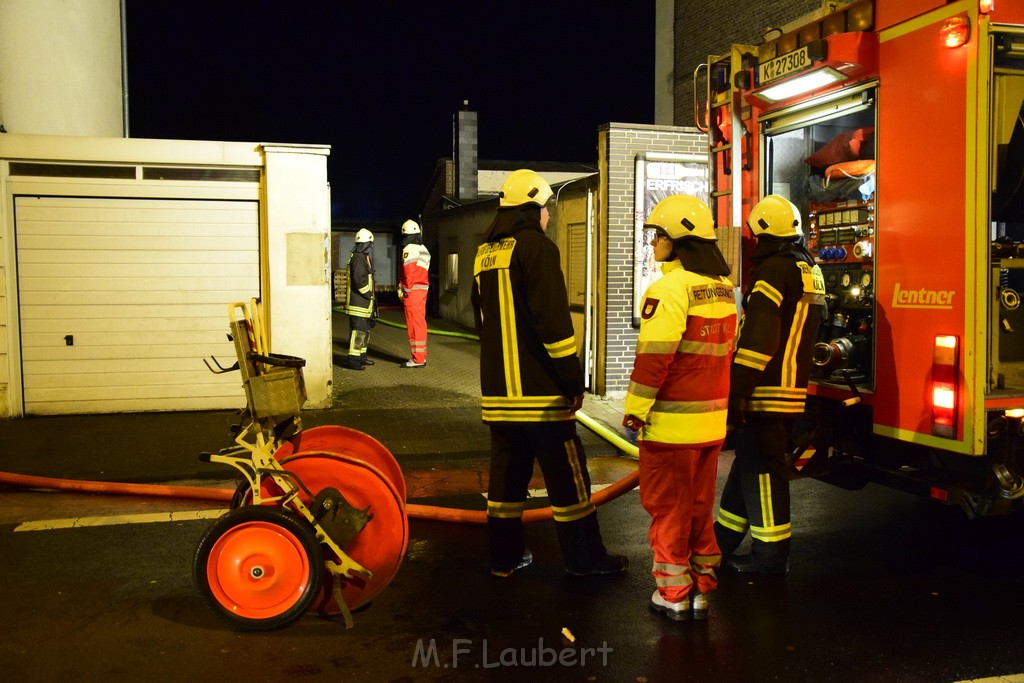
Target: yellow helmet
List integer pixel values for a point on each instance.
(683, 217)
(364, 235)
(775, 216)
(410, 227)
(524, 187)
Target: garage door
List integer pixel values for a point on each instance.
(121, 299)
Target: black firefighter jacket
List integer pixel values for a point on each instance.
(528, 363)
(781, 314)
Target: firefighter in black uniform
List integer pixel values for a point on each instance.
(359, 299)
(782, 310)
(531, 384)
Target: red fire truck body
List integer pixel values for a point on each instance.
(897, 128)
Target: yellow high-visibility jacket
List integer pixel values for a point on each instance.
(680, 380)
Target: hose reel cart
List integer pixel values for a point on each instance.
(318, 521)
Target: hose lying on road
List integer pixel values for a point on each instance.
(415, 511)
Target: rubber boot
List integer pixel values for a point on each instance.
(764, 558)
(728, 539)
(507, 547)
(771, 558)
(354, 363)
(365, 361)
(583, 549)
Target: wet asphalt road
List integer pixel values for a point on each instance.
(883, 586)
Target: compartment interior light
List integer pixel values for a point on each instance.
(801, 84)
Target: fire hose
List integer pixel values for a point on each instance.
(414, 511)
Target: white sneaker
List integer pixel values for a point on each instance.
(700, 605)
(678, 611)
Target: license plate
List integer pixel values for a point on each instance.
(789, 63)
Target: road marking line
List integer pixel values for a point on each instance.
(109, 520)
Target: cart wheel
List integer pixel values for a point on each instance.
(380, 546)
(259, 568)
(351, 443)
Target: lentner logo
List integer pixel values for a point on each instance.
(922, 298)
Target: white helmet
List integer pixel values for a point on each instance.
(410, 227)
(364, 235)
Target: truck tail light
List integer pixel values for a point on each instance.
(986, 6)
(945, 385)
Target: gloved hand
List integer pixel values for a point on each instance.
(631, 434)
(631, 427)
(401, 292)
(575, 403)
(735, 418)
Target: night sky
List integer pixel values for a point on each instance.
(380, 82)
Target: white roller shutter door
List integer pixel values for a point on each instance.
(121, 299)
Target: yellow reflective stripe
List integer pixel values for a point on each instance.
(572, 512)
(764, 485)
(667, 568)
(505, 510)
(706, 348)
(561, 349)
(523, 401)
(775, 406)
(731, 521)
(752, 359)
(690, 407)
(527, 415)
(513, 381)
(669, 581)
(773, 294)
(779, 392)
(699, 427)
(641, 390)
(796, 330)
(582, 493)
(773, 533)
(656, 347)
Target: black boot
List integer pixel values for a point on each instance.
(728, 539)
(764, 558)
(354, 363)
(583, 549)
(507, 549)
(365, 361)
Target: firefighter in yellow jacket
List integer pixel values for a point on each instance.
(678, 401)
(531, 384)
(782, 309)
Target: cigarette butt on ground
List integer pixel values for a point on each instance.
(568, 634)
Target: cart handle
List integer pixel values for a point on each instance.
(278, 360)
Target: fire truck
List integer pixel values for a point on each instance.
(897, 128)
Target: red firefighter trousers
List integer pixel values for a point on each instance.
(415, 302)
(677, 488)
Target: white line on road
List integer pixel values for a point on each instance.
(109, 520)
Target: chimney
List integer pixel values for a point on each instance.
(465, 154)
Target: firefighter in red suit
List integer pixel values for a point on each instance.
(677, 401)
(412, 289)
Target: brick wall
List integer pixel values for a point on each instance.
(620, 145)
(700, 33)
